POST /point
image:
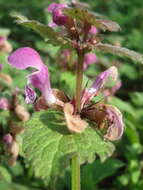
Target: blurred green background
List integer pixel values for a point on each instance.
(125, 168)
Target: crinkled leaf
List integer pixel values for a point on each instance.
(86, 16)
(108, 48)
(48, 145)
(44, 30)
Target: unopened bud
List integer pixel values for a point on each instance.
(6, 78)
(22, 113)
(14, 151)
(8, 139)
(4, 103)
(93, 30)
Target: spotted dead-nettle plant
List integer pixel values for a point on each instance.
(69, 128)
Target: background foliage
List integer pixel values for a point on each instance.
(124, 169)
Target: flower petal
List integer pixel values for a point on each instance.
(89, 58)
(74, 123)
(24, 58)
(116, 125)
(99, 83)
(30, 95)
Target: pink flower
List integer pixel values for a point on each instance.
(116, 125)
(110, 114)
(8, 139)
(58, 17)
(111, 91)
(26, 57)
(4, 103)
(30, 95)
(89, 58)
(93, 30)
(100, 81)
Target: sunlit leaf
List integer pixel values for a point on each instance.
(49, 147)
(108, 48)
(44, 30)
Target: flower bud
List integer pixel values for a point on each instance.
(8, 139)
(4, 104)
(22, 113)
(14, 151)
(6, 78)
(93, 30)
(58, 17)
(5, 46)
(89, 58)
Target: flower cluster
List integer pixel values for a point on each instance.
(102, 114)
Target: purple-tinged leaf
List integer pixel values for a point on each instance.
(91, 18)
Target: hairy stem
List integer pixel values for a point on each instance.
(75, 170)
(79, 78)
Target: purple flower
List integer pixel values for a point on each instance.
(58, 17)
(115, 123)
(100, 81)
(4, 103)
(89, 58)
(8, 139)
(111, 91)
(93, 30)
(30, 95)
(26, 57)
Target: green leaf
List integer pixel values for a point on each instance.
(4, 174)
(4, 32)
(89, 17)
(44, 30)
(48, 145)
(137, 98)
(108, 48)
(14, 186)
(94, 173)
